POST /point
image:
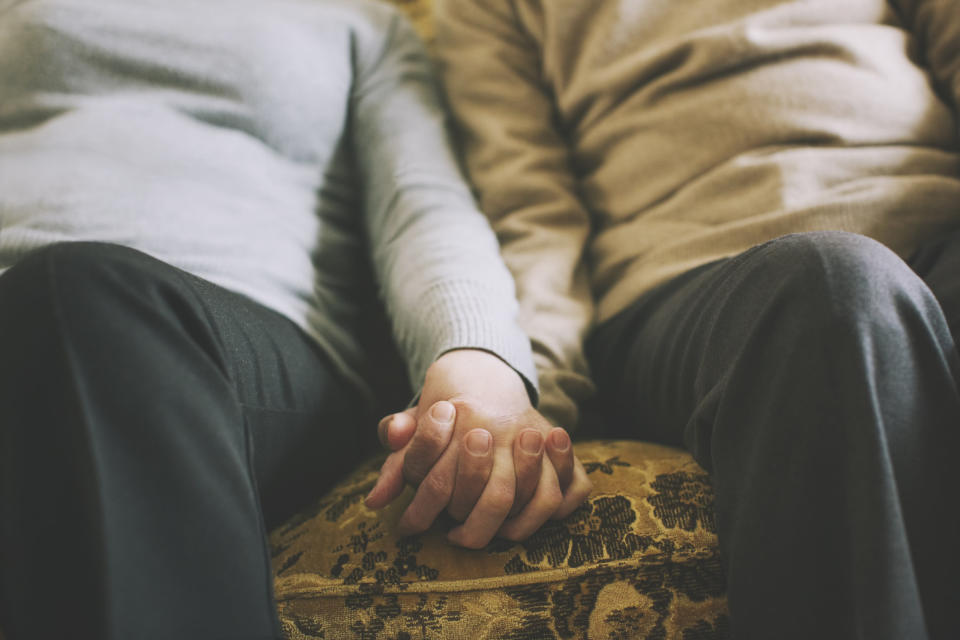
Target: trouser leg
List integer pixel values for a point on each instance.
(815, 377)
(132, 396)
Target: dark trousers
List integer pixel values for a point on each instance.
(816, 378)
(153, 425)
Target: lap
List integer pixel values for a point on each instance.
(165, 330)
(656, 362)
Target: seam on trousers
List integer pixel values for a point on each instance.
(185, 279)
(261, 524)
(69, 357)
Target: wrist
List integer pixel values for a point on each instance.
(475, 374)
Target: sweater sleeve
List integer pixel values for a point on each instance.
(519, 165)
(936, 26)
(436, 259)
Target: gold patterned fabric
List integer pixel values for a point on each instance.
(638, 560)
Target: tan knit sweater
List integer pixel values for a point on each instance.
(617, 143)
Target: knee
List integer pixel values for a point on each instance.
(829, 279)
(70, 293)
(52, 279)
(76, 261)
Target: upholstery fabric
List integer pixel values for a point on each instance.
(638, 560)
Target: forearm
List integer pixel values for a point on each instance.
(519, 165)
(442, 279)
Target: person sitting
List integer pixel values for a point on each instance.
(740, 221)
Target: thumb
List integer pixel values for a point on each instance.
(396, 429)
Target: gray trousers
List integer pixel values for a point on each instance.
(816, 378)
(154, 427)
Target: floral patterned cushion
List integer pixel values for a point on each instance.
(638, 560)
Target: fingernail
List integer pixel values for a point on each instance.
(561, 441)
(442, 411)
(478, 442)
(530, 442)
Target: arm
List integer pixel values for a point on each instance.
(434, 255)
(519, 165)
(446, 290)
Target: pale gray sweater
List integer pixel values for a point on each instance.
(253, 143)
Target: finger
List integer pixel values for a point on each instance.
(432, 495)
(544, 504)
(389, 483)
(473, 470)
(492, 507)
(434, 430)
(527, 458)
(560, 452)
(577, 491)
(396, 429)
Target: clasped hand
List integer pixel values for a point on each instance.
(475, 446)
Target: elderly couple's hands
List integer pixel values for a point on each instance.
(475, 446)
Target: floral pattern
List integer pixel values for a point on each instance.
(356, 564)
(637, 560)
(684, 500)
(599, 530)
(643, 603)
(606, 466)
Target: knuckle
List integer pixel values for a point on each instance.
(501, 495)
(437, 486)
(477, 478)
(459, 401)
(465, 407)
(413, 473)
(432, 438)
(528, 466)
(468, 487)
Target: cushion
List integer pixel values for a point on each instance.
(638, 560)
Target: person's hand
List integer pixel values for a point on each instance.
(396, 430)
(494, 479)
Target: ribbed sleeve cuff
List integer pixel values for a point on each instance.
(455, 315)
